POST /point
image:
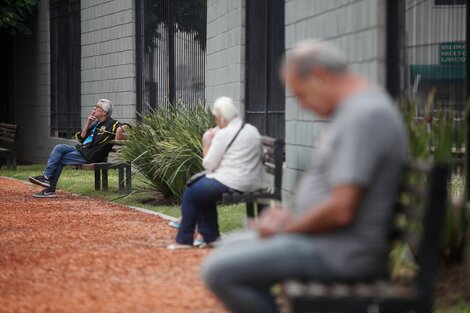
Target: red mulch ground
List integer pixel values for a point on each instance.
(77, 254)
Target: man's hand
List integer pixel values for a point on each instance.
(272, 221)
(91, 119)
(119, 133)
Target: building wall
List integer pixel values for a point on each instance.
(428, 25)
(108, 56)
(225, 55)
(107, 71)
(32, 89)
(358, 28)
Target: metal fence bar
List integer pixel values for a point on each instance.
(171, 57)
(65, 67)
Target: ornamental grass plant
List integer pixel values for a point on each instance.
(165, 146)
(437, 132)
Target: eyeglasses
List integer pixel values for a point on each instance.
(96, 107)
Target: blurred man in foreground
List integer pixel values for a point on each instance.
(339, 226)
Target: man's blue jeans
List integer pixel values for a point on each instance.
(60, 156)
(242, 271)
(199, 205)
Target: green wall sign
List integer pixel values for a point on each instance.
(452, 52)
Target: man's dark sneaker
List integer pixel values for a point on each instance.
(39, 180)
(46, 193)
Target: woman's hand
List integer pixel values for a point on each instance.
(209, 135)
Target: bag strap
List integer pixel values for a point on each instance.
(235, 137)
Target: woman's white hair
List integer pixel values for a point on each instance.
(106, 105)
(225, 108)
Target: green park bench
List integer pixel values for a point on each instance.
(8, 135)
(420, 212)
(101, 171)
(272, 158)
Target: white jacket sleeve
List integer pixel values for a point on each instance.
(216, 152)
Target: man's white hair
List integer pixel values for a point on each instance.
(225, 108)
(309, 54)
(106, 105)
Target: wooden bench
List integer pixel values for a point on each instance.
(101, 175)
(101, 171)
(8, 134)
(272, 158)
(420, 211)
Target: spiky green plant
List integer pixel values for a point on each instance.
(166, 145)
(435, 135)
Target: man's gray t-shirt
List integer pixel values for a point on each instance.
(365, 145)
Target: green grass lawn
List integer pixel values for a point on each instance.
(231, 217)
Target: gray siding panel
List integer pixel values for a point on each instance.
(32, 94)
(358, 28)
(225, 54)
(108, 56)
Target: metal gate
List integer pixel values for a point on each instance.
(431, 36)
(265, 99)
(65, 67)
(171, 43)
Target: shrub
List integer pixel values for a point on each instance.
(436, 133)
(166, 145)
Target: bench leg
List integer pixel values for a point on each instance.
(97, 180)
(104, 175)
(9, 161)
(128, 179)
(261, 207)
(121, 179)
(14, 160)
(250, 212)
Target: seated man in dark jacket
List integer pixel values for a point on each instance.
(94, 147)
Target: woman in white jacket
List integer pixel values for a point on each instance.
(232, 160)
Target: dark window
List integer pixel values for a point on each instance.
(65, 67)
(449, 2)
(265, 98)
(6, 79)
(171, 44)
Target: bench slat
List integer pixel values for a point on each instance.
(419, 166)
(269, 159)
(270, 168)
(94, 166)
(7, 131)
(268, 141)
(268, 151)
(377, 289)
(8, 126)
(87, 167)
(7, 139)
